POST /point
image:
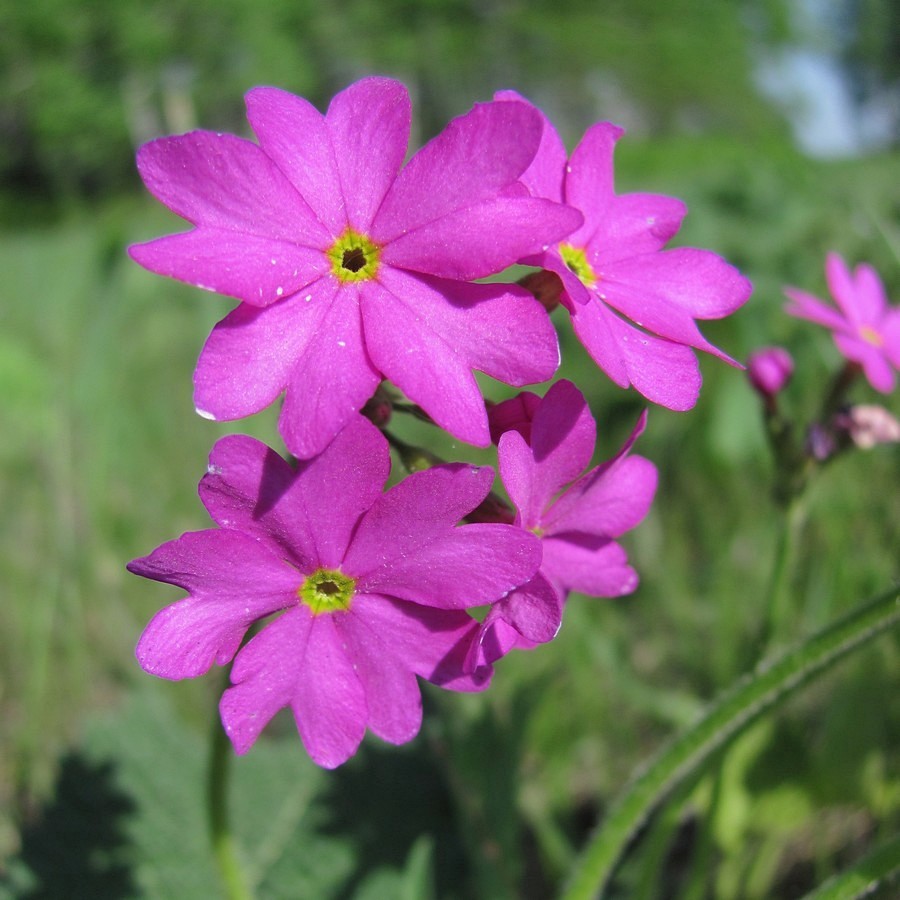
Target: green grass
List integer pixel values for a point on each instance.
(100, 460)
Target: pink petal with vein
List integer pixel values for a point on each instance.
(292, 133)
(248, 357)
(368, 123)
(473, 158)
(482, 238)
(467, 566)
(664, 372)
(419, 510)
(257, 270)
(233, 581)
(227, 182)
(331, 380)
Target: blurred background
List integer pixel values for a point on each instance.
(778, 121)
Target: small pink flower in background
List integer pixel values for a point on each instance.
(352, 267)
(867, 425)
(769, 370)
(633, 304)
(371, 589)
(865, 329)
(577, 514)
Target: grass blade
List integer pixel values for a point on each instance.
(743, 704)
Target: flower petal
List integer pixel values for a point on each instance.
(332, 378)
(422, 508)
(877, 369)
(514, 414)
(589, 179)
(563, 434)
(292, 133)
(545, 175)
(466, 566)
(482, 238)
(257, 270)
(369, 127)
(605, 501)
(472, 159)
(249, 486)
(634, 224)
(393, 698)
(233, 578)
(227, 182)
(427, 335)
(248, 357)
(595, 568)
(495, 638)
(806, 306)
(297, 661)
(695, 282)
(871, 299)
(843, 288)
(534, 610)
(665, 372)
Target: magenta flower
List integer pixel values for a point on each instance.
(370, 589)
(633, 304)
(577, 515)
(352, 267)
(769, 369)
(865, 329)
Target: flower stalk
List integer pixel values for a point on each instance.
(224, 843)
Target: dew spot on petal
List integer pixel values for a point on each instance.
(204, 414)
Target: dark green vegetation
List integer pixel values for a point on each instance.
(102, 767)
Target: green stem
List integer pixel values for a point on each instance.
(223, 842)
(875, 870)
(745, 703)
(777, 611)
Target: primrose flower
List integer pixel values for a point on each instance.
(865, 329)
(368, 589)
(633, 304)
(577, 514)
(352, 267)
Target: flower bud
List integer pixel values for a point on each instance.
(514, 414)
(769, 370)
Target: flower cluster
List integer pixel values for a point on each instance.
(866, 332)
(330, 594)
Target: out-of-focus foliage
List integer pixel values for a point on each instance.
(872, 52)
(83, 83)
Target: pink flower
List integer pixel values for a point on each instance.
(865, 329)
(769, 369)
(352, 269)
(370, 589)
(633, 304)
(577, 515)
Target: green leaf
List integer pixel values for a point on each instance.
(745, 703)
(872, 873)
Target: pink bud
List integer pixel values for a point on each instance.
(769, 370)
(513, 415)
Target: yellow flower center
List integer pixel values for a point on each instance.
(353, 257)
(871, 336)
(576, 261)
(326, 591)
